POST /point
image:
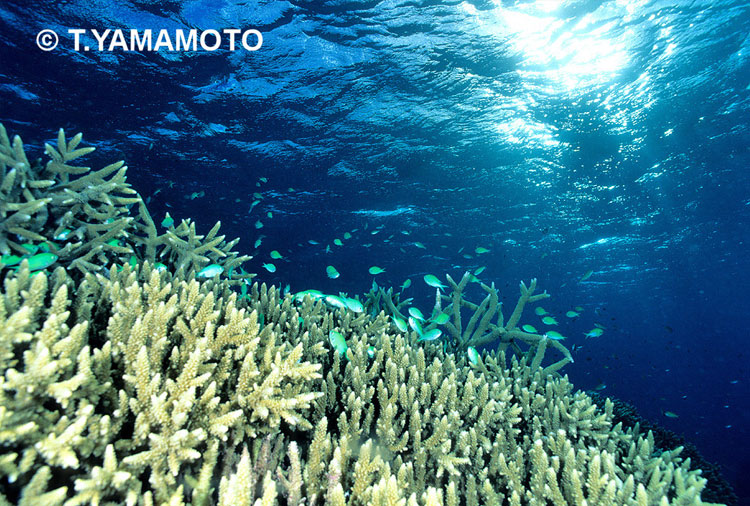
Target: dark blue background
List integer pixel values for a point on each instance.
(611, 136)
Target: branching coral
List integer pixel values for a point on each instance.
(86, 217)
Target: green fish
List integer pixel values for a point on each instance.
(313, 294)
(338, 342)
(257, 195)
(479, 271)
(406, 284)
(332, 272)
(258, 224)
(596, 332)
(133, 260)
(210, 271)
(336, 301)
(263, 179)
(430, 335)
(258, 242)
(269, 214)
(441, 319)
(416, 313)
(572, 314)
(354, 305)
(579, 309)
(31, 248)
(276, 255)
(10, 260)
(420, 245)
(480, 250)
(587, 275)
(529, 328)
(555, 335)
(371, 351)
(63, 235)
(41, 261)
(670, 414)
(433, 281)
(159, 267)
(347, 235)
(548, 320)
(167, 222)
(400, 324)
(114, 242)
(540, 311)
(415, 325)
(338, 242)
(473, 355)
(45, 247)
(269, 267)
(375, 270)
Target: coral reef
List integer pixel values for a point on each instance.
(86, 218)
(130, 383)
(147, 387)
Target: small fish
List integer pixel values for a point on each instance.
(572, 314)
(114, 242)
(335, 301)
(596, 332)
(415, 325)
(338, 242)
(347, 235)
(670, 414)
(258, 224)
(159, 267)
(441, 319)
(400, 324)
(210, 271)
(479, 271)
(480, 250)
(276, 255)
(540, 311)
(354, 305)
(416, 313)
(406, 284)
(375, 270)
(433, 281)
(269, 214)
(31, 248)
(473, 355)
(63, 235)
(258, 242)
(430, 335)
(41, 261)
(167, 222)
(600, 387)
(371, 351)
(10, 260)
(332, 272)
(257, 195)
(269, 267)
(579, 309)
(313, 294)
(313, 242)
(263, 179)
(548, 320)
(529, 328)
(554, 335)
(338, 342)
(420, 245)
(586, 275)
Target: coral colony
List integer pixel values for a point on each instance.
(140, 367)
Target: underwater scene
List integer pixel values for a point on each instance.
(374, 252)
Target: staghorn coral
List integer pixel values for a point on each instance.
(148, 388)
(133, 388)
(86, 218)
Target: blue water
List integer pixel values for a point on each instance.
(611, 136)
